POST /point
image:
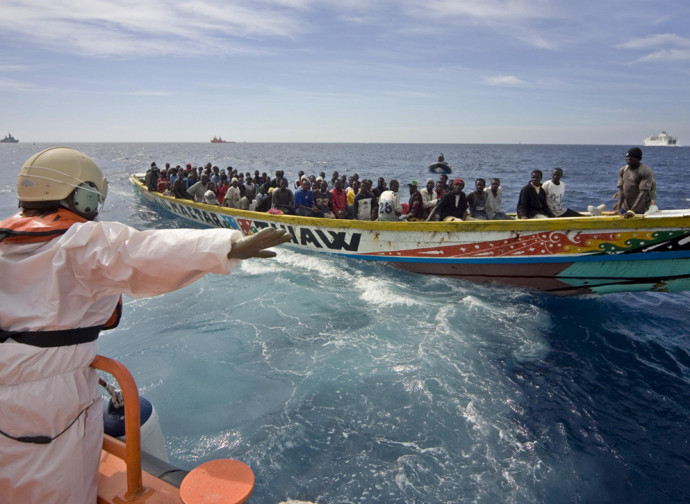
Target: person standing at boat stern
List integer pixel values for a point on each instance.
(636, 184)
(63, 273)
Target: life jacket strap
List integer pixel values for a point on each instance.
(49, 339)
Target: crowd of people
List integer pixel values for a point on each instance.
(343, 197)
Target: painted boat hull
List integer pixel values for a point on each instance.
(563, 255)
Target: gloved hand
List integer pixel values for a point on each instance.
(254, 245)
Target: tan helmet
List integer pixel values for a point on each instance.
(53, 174)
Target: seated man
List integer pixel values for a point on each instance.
(282, 198)
(494, 197)
(232, 194)
(415, 207)
(429, 197)
(210, 197)
(555, 189)
(198, 190)
(364, 202)
(390, 208)
(304, 200)
(339, 200)
(476, 200)
(532, 202)
(452, 205)
(322, 200)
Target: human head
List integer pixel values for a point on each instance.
(633, 157)
(283, 183)
(556, 175)
(479, 185)
(394, 185)
(412, 184)
(458, 185)
(430, 184)
(536, 177)
(60, 176)
(444, 179)
(495, 184)
(324, 186)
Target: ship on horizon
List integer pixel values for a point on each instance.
(663, 139)
(9, 139)
(220, 140)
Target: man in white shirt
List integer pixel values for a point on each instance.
(555, 189)
(390, 208)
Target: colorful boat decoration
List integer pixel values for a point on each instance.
(581, 255)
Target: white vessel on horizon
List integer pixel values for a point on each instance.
(662, 139)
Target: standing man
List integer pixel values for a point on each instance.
(555, 189)
(62, 276)
(636, 184)
(532, 202)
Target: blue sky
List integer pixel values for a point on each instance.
(463, 71)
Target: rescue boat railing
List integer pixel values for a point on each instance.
(132, 452)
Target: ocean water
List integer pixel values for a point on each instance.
(340, 381)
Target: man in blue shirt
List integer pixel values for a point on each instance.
(304, 201)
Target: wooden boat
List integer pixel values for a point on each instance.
(597, 254)
(122, 480)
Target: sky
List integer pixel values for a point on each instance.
(401, 71)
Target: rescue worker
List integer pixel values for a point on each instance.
(63, 273)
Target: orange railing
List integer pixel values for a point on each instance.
(132, 451)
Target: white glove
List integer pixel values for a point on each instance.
(254, 245)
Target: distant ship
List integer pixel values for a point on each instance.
(662, 139)
(219, 140)
(9, 139)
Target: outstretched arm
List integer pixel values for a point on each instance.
(255, 245)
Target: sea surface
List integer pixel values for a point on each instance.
(340, 381)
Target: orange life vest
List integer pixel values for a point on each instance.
(36, 226)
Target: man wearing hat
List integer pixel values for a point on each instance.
(453, 204)
(636, 184)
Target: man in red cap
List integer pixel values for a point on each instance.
(452, 205)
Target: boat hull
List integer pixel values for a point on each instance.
(564, 255)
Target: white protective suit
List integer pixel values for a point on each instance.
(69, 282)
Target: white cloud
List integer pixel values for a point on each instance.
(666, 46)
(154, 27)
(655, 41)
(505, 80)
